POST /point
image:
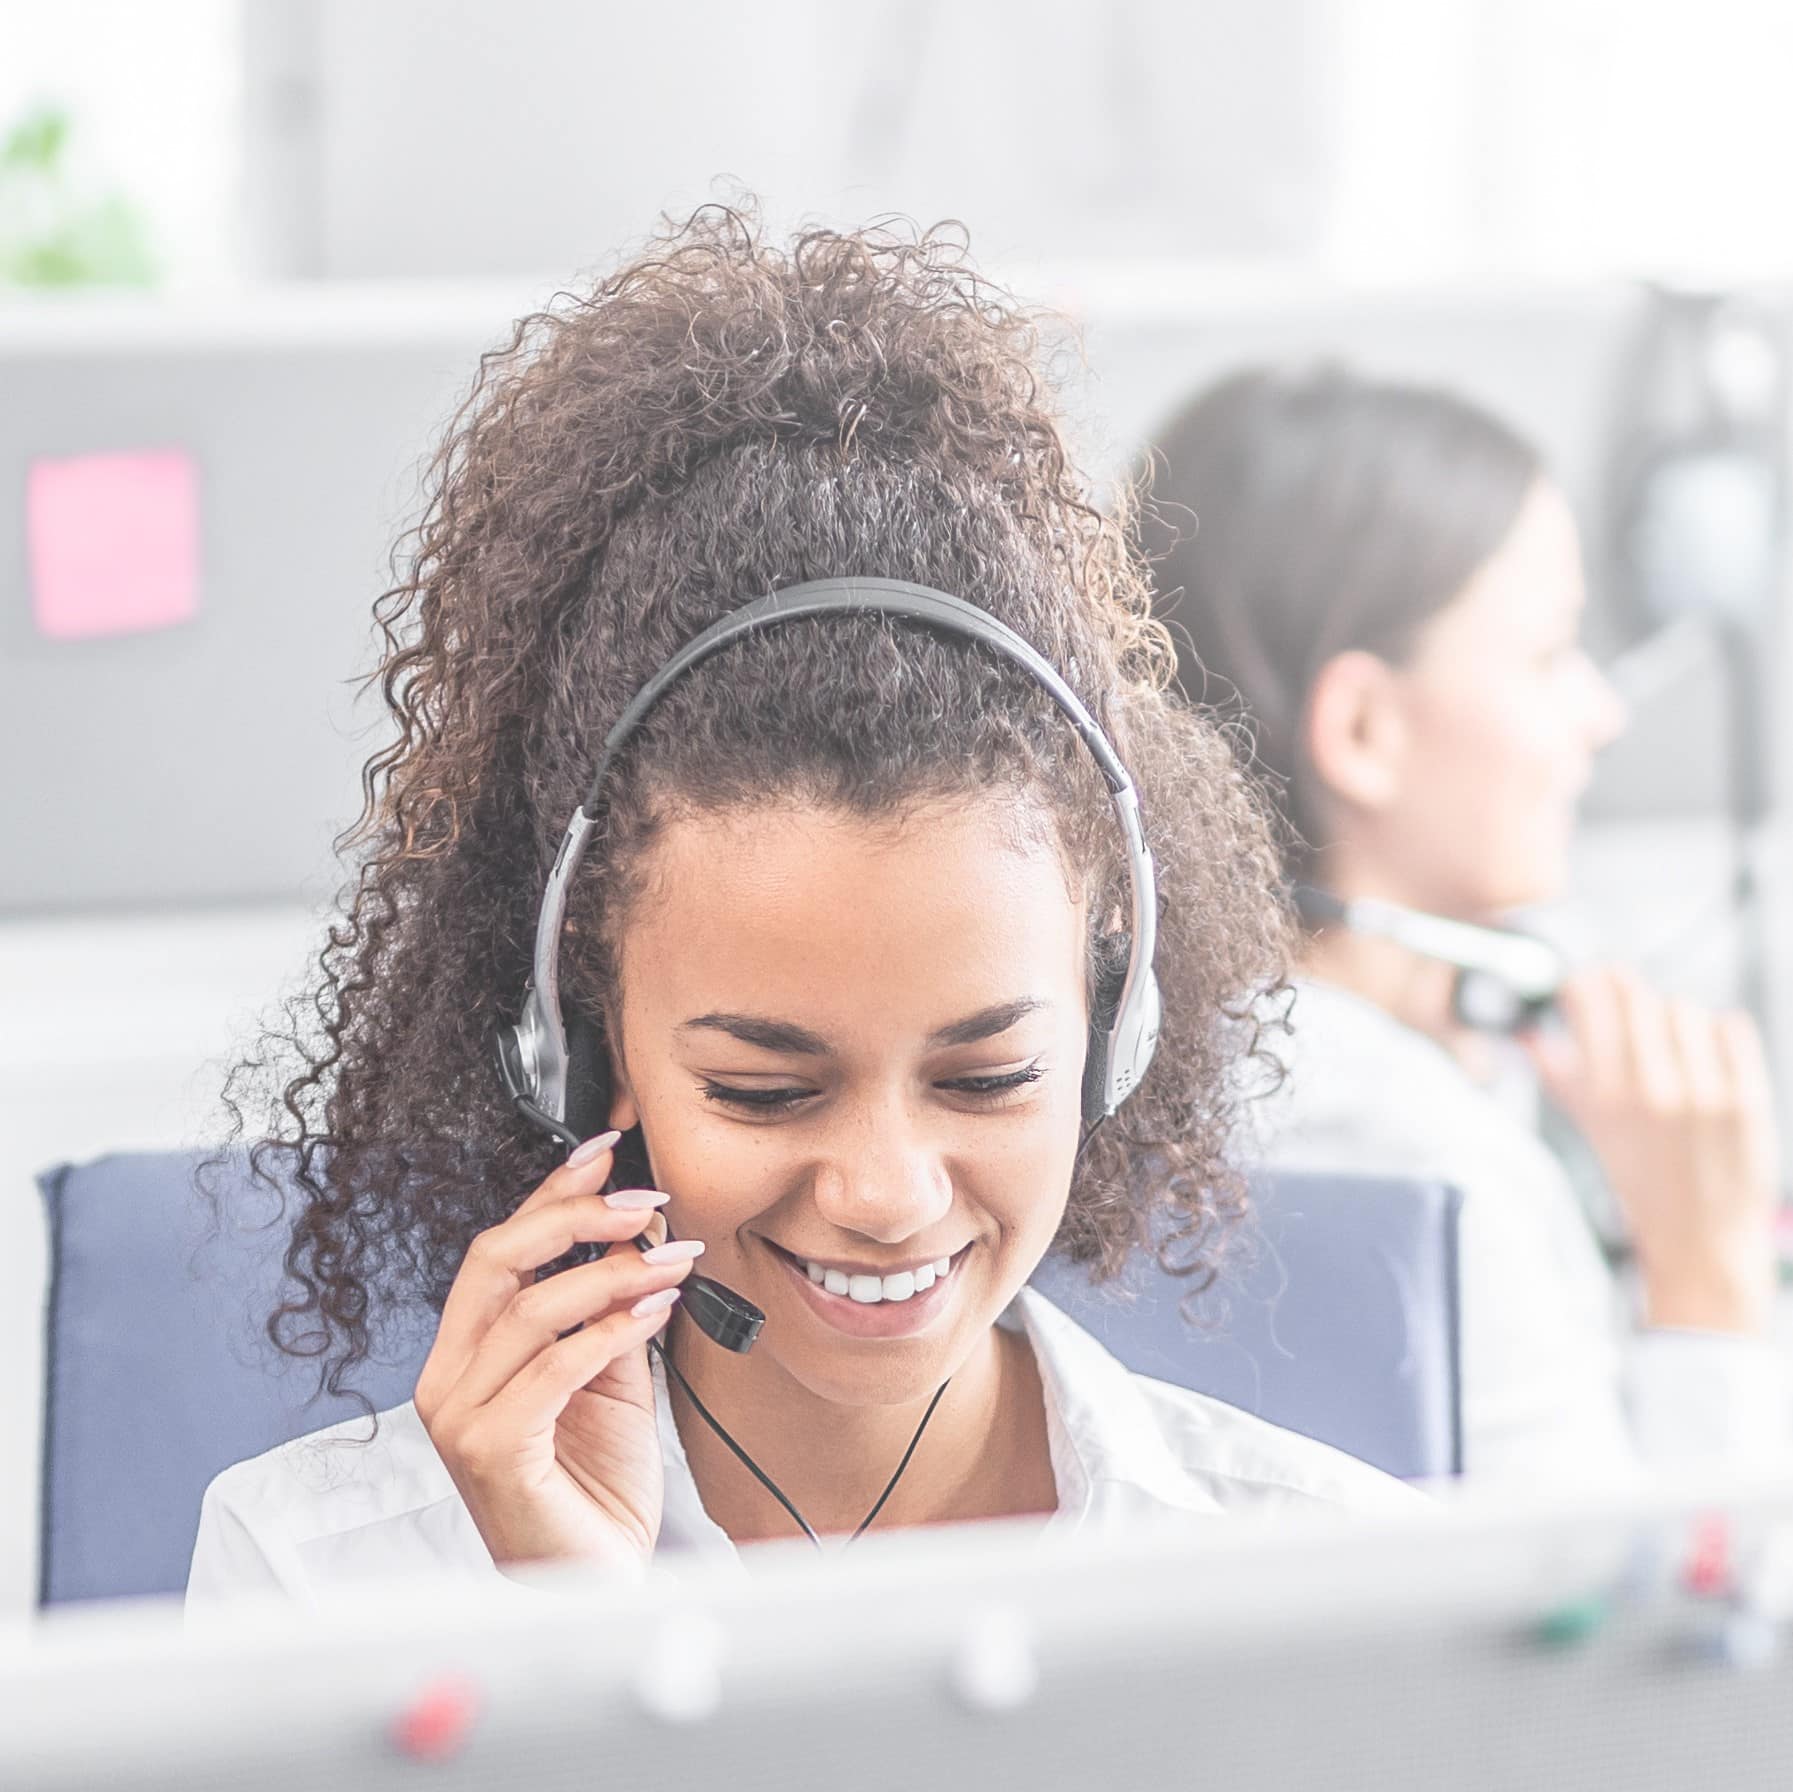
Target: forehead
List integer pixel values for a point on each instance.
(841, 921)
(1532, 583)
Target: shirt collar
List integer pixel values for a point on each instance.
(1110, 1459)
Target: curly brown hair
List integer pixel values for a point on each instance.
(723, 416)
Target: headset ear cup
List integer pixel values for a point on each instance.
(1095, 1078)
(1105, 1001)
(588, 1075)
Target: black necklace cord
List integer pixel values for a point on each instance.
(765, 1480)
(865, 1524)
(741, 1456)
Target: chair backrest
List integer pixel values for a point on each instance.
(1335, 1315)
(157, 1371)
(159, 1376)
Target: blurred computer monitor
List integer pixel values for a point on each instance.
(1593, 1644)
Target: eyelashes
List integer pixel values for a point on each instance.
(986, 1089)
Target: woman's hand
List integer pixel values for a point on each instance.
(537, 1395)
(1676, 1102)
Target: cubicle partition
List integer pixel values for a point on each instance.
(198, 504)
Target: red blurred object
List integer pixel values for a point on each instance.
(436, 1724)
(1707, 1574)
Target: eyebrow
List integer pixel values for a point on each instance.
(792, 1040)
(987, 1022)
(769, 1035)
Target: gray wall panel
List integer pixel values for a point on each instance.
(210, 761)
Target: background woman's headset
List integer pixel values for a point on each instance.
(1506, 981)
(554, 1061)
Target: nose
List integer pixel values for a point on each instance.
(1607, 716)
(881, 1177)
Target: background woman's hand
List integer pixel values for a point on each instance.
(549, 1431)
(1677, 1104)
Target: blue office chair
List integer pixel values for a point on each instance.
(1335, 1315)
(159, 1376)
(157, 1371)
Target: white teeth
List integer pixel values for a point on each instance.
(869, 1289)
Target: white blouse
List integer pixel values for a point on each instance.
(328, 1509)
(1558, 1381)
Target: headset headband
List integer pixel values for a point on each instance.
(1119, 1053)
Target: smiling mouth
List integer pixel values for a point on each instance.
(869, 1290)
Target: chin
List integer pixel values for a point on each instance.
(884, 1376)
(1517, 895)
(1547, 883)
(872, 1371)
(866, 1383)
(1522, 880)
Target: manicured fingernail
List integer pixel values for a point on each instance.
(583, 1154)
(653, 1303)
(675, 1250)
(634, 1199)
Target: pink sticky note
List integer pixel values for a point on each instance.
(113, 543)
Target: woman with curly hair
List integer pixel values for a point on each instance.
(850, 889)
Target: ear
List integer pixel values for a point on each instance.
(624, 1113)
(1356, 730)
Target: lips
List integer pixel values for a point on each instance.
(866, 1304)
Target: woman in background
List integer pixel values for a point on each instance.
(1391, 584)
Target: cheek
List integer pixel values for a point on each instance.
(1489, 750)
(720, 1175)
(1492, 806)
(1019, 1175)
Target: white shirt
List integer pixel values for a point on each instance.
(327, 1510)
(1557, 1380)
